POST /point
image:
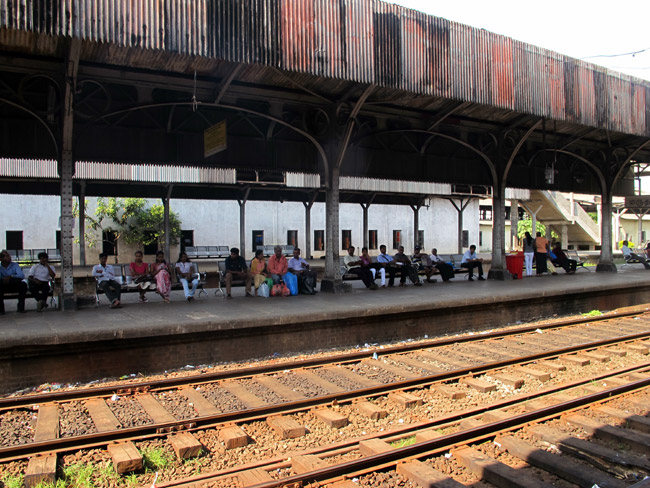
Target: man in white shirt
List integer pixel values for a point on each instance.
(353, 265)
(300, 267)
(631, 257)
(446, 269)
(470, 261)
(39, 280)
(105, 276)
(387, 263)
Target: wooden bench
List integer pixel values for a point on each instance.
(128, 286)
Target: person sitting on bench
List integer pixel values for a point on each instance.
(236, 268)
(353, 266)
(186, 275)
(277, 265)
(406, 268)
(374, 268)
(105, 276)
(470, 261)
(306, 277)
(387, 263)
(39, 280)
(631, 257)
(11, 280)
(446, 270)
(561, 260)
(424, 261)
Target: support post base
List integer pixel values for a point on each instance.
(334, 286)
(69, 302)
(606, 268)
(499, 274)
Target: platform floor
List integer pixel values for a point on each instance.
(214, 313)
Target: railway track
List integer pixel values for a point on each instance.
(227, 402)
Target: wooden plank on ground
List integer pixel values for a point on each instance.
(279, 388)
(481, 386)
(414, 363)
(370, 410)
(286, 427)
(637, 348)
(600, 456)
(539, 375)
(391, 369)
(596, 357)
(102, 415)
(344, 484)
(599, 429)
(637, 376)
(331, 418)
(350, 375)
(253, 477)
(426, 476)
(306, 463)
(636, 422)
(40, 469)
(486, 350)
(443, 359)
(467, 424)
(233, 436)
(405, 400)
(426, 435)
(510, 379)
(371, 447)
(495, 415)
(154, 409)
(185, 445)
(126, 457)
(614, 351)
(495, 472)
(562, 466)
(316, 380)
(451, 392)
(47, 423)
(248, 398)
(201, 405)
(553, 365)
(575, 360)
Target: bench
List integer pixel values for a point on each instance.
(30, 256)
(269, 250)
(53, 296)
(580, 262)
(127, 285)
(345, 276)
(207, 252)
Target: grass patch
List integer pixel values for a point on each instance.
(406, 441)
(156, 458)
(78, 476)
(13, 481)
(593, 313)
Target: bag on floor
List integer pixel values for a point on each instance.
(304, 286)
(263, 290)
(291, 280)
(269, 283)
(280, 290)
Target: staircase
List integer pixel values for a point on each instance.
(556, 211)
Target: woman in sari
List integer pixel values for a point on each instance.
(160, 272)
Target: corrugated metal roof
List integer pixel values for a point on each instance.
(363, 41)
(393, 186)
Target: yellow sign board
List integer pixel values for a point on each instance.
(214, 139)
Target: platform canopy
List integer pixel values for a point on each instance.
(307, 85)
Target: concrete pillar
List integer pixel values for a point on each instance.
(639, 240)
(416, 224)
(514, 224)
(549, 233)
(606, 259)
(565, 236)
(167, 249)
(498, 269)
(242, 222)
(82, 225)
(307, 253)
(332, 280)
(66, 171)
(365, 206)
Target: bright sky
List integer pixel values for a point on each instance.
(577, 28)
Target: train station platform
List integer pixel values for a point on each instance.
(94, 343)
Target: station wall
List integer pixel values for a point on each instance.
(217, 223)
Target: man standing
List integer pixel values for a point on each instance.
(236, 268)
(300, 267)
(277, 265)
(105, 276)
(629, 256)
(404, 265)
(470, 261)
(387, 263)
(11, 280)
(39, 280)
(353, 265)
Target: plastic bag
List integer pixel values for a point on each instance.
(291, 280)
(269, 282)
(280, 290)
(263, 290)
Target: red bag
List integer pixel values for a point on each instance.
(280, 290)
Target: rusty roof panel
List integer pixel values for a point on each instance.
(353, 41)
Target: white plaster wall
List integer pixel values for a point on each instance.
(217, 223)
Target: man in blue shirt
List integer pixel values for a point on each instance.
(11, 280)
(387, 263)
(470, 261)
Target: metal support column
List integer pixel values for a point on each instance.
(82, 224)
(166, 230)
(514, 224)
(416, 222)
(606, 259)
(498, 269)
(460, 208)
(332, 280)
(66, 171)
(242, 222)
(307, 254)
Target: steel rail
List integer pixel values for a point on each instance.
(28, 400)
(444, 442)
(157, 429)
